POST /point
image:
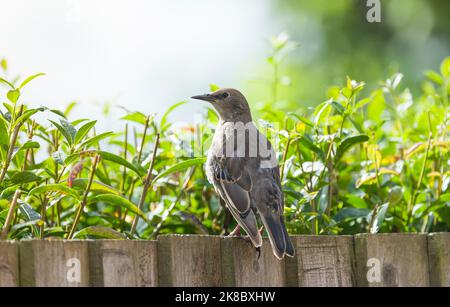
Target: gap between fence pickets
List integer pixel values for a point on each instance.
(192, 260)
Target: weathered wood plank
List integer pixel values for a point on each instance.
(123, 263)
(439, 259)
(392, 260)
(321, 261)
(54, 263)
(9, 264)
(193, 261)
(242, 268)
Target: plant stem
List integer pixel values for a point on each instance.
(43, 213)
(285, 157)
(125, 154)
(147, 184)
(12, 144)
(147, 121)
(183, 188)
(341, 129)
(124, 173)
(275, 82)
(372, 218)
(84, 201)
(414, 195)
(9, 217)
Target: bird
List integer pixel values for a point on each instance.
(242, 167)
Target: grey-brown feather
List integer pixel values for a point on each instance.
(248, 189)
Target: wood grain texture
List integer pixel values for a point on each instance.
(123, 263)
(395, 260)
(321, 261)
(198, 261)
(190, 261)
(439, 259)
(54, 263)
(242, 268)
(9, 264)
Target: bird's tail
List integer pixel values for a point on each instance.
(278, 236)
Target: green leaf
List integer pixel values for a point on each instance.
(338, 107)
(4, 139)
(59, 157)
(8, 192)
(54, 232)
(96, 186)
(25, 82)
(395, 80)
(4, 64)
(356, 125)
(68, 135)
(24, 177)
(347, 92)
(13, 95)
(180, 166)
(99, 232)
(361, 103)
(302, 119)
(79, 121)
(306, 141)
(214, 87)
(348, 142)
(136, 117)
(3, 215)
(69, 128)
(27, 114)
(379, 218)
(356, 201)
(83, 131)
(445, 67)
(27, 145)
(30, 145)
(434, 76)
(118, 201)
(10, 109)
(320, 110)
(29, 213)
(33, 223)
(350, 213)
(164, 124)
(94, 140)
(60, 188)
(58, 112)
(119, 160)
(69, 108)
(7, 83)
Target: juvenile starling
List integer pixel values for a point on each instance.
(242, 167)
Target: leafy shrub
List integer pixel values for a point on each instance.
(358, 162)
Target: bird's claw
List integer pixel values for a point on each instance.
(236, 232)
(258, 250)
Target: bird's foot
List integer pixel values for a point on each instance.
(261, 230)
(236, 232)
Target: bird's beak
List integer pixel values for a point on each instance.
(205, 97)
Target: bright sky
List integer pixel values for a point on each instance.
(145, 55)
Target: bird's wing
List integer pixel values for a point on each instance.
(270, 204)
(233, 183)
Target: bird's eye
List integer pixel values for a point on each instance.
(225, 95)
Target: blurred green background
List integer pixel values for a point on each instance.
(336, 40)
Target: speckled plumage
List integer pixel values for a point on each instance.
(247, 188)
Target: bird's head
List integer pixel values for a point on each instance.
(229, 103)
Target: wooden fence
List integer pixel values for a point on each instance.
(191, 260)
